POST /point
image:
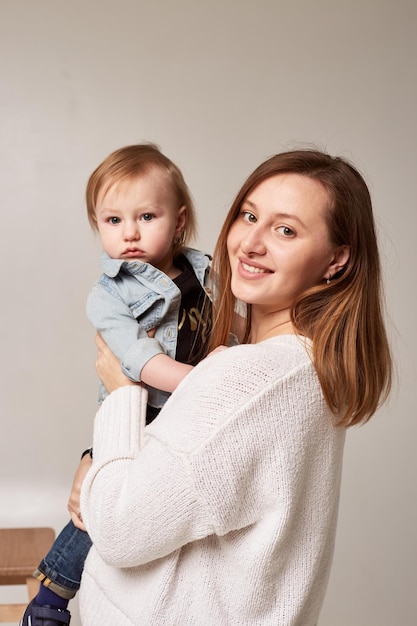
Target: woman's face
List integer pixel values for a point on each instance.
(279, 244)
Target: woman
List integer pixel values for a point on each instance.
(223, 510)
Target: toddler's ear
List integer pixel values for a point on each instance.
(182, 213)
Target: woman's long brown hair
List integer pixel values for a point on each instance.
(344, 319)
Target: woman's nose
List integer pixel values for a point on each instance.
(254, 241)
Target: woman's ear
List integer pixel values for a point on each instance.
(340, 258)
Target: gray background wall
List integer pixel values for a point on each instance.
(220, 86)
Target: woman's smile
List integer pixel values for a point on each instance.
(251, 268)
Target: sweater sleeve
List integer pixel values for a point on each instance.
(138, 500)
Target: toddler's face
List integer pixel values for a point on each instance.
(139, 219)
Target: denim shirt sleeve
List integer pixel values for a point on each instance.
(138, 355)
(127, 339)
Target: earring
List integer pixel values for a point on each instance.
(329, 279)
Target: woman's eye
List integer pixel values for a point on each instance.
(248, 217)
(286, 231)
(114, 220)
(146, 217)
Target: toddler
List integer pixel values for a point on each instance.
(138, 202)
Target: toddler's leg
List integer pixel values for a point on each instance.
(61, 569)
(60, 575)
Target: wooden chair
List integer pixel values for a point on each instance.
(21, 550)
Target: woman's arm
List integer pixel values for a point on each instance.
(202, 468)
(182, 478)
(138, 489)
(116, 491)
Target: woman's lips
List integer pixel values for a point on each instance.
(247, 268)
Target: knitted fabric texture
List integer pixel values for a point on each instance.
(223, 510)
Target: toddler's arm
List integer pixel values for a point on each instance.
(164, 373)
(127, 339)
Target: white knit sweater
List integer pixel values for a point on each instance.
(223, 510)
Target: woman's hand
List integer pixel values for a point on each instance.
(108, 367)
(74, 499)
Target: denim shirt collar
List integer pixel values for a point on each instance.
(111, 267)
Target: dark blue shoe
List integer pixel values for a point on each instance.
(36, 615)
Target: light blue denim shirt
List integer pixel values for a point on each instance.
(127, 291)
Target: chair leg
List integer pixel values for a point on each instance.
(33, 586)
(14, 612)
(21, 549)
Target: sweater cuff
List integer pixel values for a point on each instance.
(119, 424)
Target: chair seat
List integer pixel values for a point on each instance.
(21, 550)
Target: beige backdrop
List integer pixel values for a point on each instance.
(219, 85)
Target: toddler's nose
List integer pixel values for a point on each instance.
(131, 231)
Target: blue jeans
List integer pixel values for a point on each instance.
(64, 563)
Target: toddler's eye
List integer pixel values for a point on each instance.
(114, 220)
(146, 217)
